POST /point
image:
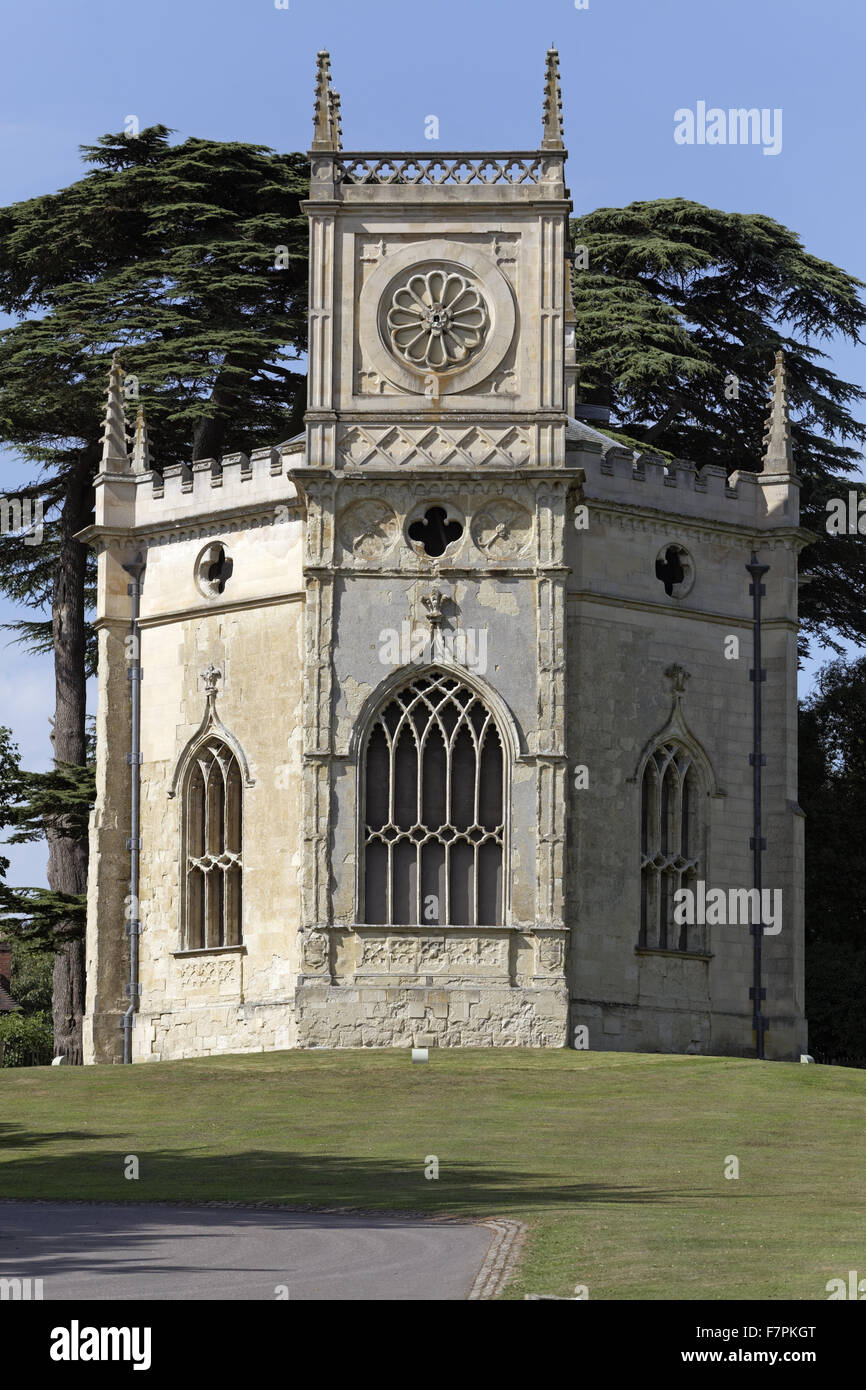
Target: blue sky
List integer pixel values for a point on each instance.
(243, 70)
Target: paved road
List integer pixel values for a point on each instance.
(161, 1252)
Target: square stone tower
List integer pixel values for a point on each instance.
(437, 493)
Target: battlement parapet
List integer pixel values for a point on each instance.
(678, 486)
(183, 492)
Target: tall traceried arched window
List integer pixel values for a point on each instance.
(212, 862)
(434, 792)
(672, 797)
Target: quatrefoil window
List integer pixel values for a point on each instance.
(434, 532)
(213, 570)
(437, 320)
(675, 570)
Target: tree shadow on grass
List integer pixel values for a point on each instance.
(297, 1179)
(111, 1238)
(120, 1238)
(17, 1137)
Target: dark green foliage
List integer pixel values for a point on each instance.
(32, 973)
(10, 779)
(835, 994)
(31, 803)
(168, 253)
(833, 795)
(676, 297)
(26, 1040)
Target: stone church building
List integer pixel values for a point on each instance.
(411, 727)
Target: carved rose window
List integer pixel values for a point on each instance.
(437, 320)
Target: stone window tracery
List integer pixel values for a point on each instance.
(434, 798)
(212, 857)
(671, 832)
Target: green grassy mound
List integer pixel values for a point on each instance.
(615, 1160)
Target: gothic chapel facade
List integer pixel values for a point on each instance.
(424, 715)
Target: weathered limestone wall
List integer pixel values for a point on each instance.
(387, 440)
(370, 986)
(405, 1014)
(624, 634)
(234, 999)
(107, 949)
(107, 945)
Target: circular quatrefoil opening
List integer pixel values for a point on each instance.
(434, 532)
(213, 569)
(675, 570)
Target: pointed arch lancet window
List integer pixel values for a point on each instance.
(434, 832)
(212, 857)
(671, 837)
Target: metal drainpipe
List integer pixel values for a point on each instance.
(758, 675)
(133, 844)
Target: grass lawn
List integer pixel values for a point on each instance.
(615, 1160)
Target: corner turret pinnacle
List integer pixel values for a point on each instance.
(115, 456)
(323, 111)
(778, 452)
(552, 135)
(141, 445)
(336, 122)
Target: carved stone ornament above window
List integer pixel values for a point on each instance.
(437, 319)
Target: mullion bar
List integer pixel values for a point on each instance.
(479, 759)
(676, 810)
(448, 747)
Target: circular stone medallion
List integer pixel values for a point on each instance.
(501, 528)
(437, 320)
(367, 529)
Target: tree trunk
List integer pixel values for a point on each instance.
(67, 854)
(208, 438)
(209, 432)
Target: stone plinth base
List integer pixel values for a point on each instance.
(211, 1029)
(365, 1015)
(615, 1027)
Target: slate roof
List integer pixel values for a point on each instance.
(576, 430)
